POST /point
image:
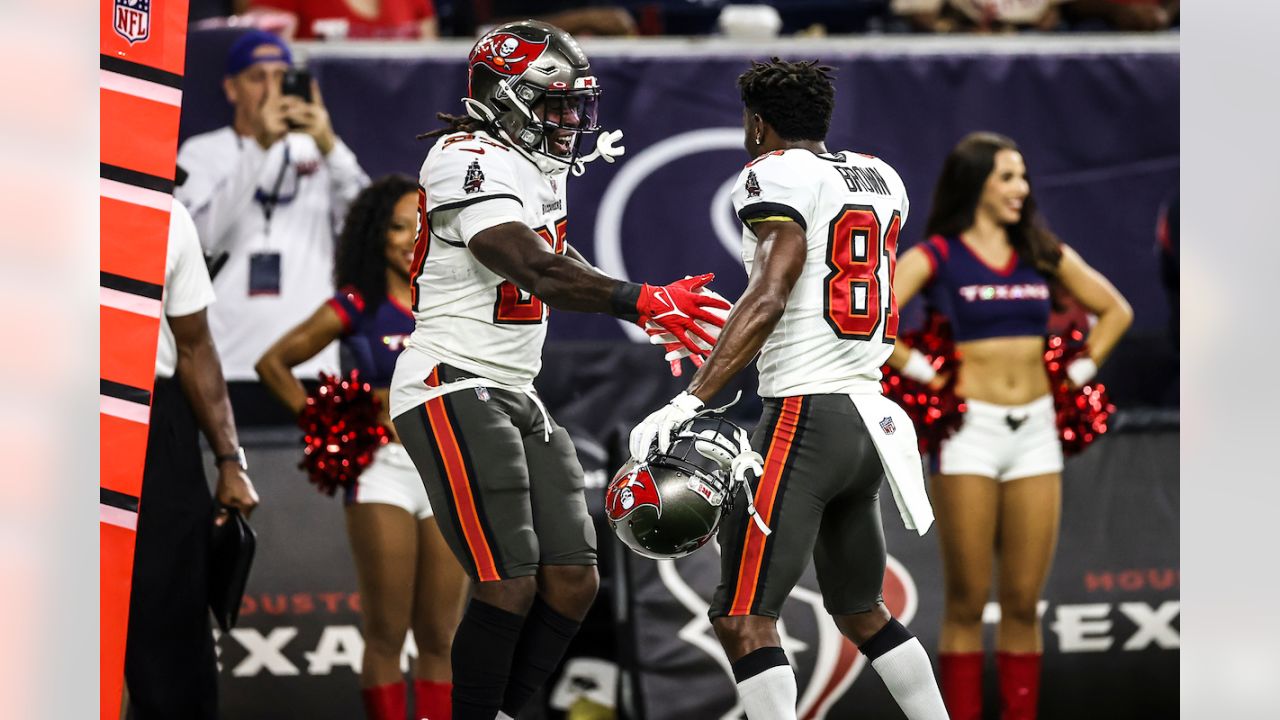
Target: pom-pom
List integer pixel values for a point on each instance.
(936, 414)
(341, 430)
(1082, 412)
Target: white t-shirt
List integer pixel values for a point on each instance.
(840, 321)
(466, 315)
(187, 289)
(228, 189)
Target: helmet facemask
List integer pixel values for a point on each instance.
(704, 447)
(551, 123)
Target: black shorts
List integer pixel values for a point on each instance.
(506, 498)
(820, 495)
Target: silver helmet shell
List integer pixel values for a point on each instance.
(532, 84)
(670, 504)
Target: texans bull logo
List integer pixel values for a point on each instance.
(630, 490)
(507, 54)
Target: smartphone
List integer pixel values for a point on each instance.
(296, 82)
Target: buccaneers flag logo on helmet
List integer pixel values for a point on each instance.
(507, 54)
(630, 492)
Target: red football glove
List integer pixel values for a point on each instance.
(677, 308)
(675, 350)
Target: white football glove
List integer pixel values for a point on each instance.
(660, 424)
(605, 150)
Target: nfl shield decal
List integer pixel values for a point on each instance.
(887, 425)
(131, 20)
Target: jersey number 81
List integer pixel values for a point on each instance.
(855, 302)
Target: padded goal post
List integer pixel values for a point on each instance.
(142, 46)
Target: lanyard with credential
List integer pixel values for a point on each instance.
(269, 202)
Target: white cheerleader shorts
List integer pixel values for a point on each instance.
(392, 479)
(1005, 442)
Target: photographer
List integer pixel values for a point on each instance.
(268, 194)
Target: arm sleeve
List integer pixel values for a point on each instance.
(772, 189)
(219, 189)
(187, 288)
(473, 219)
(346, 180)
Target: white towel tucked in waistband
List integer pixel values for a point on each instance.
(895, 440)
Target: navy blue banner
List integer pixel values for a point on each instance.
(1099, 131)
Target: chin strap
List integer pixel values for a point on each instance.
(478, 111)
(605, 150)
(710, 411)
(750, 461)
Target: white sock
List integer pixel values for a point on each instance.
(503, 716)
(770, 695)
(908, 674)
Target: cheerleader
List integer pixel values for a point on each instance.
(408, 577)
(991, 264)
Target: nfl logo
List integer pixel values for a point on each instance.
(132, 20)
(887, 425)
(483, 394)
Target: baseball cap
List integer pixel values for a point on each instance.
(246, 51)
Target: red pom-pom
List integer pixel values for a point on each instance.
(341, 429)
(936, 414)
(1082, 412)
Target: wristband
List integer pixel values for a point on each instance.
(624, 299)
(238, 457)
(1082, 370)
(918, 368)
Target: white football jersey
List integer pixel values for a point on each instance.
(841, 319)
(466, 315)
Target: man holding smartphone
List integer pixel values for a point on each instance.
(268, 194)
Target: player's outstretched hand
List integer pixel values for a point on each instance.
(660, 424)
(676, 351)
(683, 309)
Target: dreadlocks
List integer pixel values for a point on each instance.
(795, 98)
(456, 123)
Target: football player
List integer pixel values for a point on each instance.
(819, 243)
(491, 258)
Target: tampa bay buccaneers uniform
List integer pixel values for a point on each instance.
(827, 434)
(467, 370)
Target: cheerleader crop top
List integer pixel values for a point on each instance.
(982, 301)
(374, 335)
